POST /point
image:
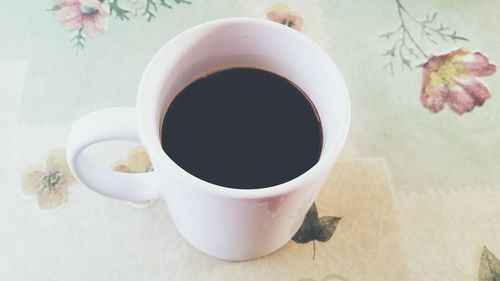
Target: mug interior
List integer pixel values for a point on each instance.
(246, 42)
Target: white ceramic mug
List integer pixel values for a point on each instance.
(231, 224)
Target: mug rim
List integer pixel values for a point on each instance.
(154, 148)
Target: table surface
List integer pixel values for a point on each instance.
(417, 184)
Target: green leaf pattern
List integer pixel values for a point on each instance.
(489, 269)
(315, 228)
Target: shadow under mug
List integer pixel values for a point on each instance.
(231, 224)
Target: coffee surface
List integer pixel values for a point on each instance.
(242, 128)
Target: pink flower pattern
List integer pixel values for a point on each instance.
(89, 15)
(451, 79)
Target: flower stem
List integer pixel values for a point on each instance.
(405, 47)
(426, 28)
(148, 11)
(120, 13)
(405, 31)
(314, 249)
(79, 39)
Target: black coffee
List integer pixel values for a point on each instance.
(242, 128)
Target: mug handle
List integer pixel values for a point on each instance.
(119, 123)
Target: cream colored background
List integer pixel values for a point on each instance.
(418, 192)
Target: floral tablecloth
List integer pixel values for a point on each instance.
(415, 194)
